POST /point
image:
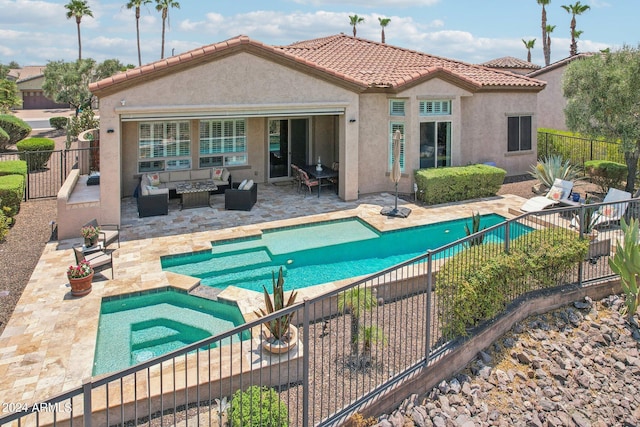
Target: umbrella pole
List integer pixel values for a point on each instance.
(396, 206)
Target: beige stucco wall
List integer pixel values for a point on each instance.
(551, 102)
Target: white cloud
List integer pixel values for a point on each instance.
(370, 3)
(31, 13)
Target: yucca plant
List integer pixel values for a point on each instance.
(626, 263)
(554, 166)
(279, 327)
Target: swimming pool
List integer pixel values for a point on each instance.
(135, 328)
(319, 253)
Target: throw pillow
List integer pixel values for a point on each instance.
(555, 194)
(242, 184)
(248, 185)
(225, 175)
(608, 211)
(154, 179)
(217, 173)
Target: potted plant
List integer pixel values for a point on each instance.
(90, 234)
(80, 277)
(283, 336)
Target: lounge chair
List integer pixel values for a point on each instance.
(99, 260)
(559, 190)
(614, 211)
(108, 232)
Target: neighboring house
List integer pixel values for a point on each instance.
(514, 65)
(551, 101)
(29, 81)
(256, 109)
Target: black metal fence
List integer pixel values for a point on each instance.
(353, 342)
(47, 170)
(578, 149)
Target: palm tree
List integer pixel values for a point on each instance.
(574, 10)
(549, 29)
(137, 4)
(529, 45)
(163, 6)
(383, 23)
(78, 9)
(356, 301)
(545, 47)
(354, 20)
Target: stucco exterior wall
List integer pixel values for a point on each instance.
(551, 102)
(484, 129)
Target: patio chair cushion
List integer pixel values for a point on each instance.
(156, 190)
(242, 184)
(175, 176)
(225, 175)
(200, 174)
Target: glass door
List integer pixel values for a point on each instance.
(288, 143)
(435, 144)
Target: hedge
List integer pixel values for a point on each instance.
(452, 184)
(4, 138)
(36, 151)
(13, 167)
(58, 123)
(11, 193)
(476, 284)
(16, 128)
(606, 174)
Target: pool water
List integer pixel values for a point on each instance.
(133, 329)
(320, 253)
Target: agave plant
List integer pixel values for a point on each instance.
(475, 227)
(552, 167)
(626, 263)
(279, 327)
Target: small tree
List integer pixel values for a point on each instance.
(356, 301)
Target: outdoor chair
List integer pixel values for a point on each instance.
(241, 198)
(334, 180)
(307, 182)
(295, 173)
(560, 190)
(108, 232)
(99, 260)
(611, 211)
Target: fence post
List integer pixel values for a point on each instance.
(305, 364)
(507, 237)
(427, 346)
(86, 394)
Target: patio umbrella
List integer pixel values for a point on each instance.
(396, 174)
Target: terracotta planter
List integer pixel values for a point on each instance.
(271, 345)
(82, 286)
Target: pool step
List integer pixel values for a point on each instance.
(262, 274)
(232, 261)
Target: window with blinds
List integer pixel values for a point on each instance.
(396, 107)
(164, 146)
(223, 143)
(435, 108)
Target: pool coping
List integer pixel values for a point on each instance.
(48, 344)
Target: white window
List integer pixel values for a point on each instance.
(396, 107)
(223, 143)
(164, 146)
(435, 108)
(393, 126)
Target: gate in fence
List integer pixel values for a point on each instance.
(47, 170)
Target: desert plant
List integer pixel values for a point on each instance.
(606, 174)
(475, 228)
(258, 407)
(549, 168)
(85, 121)
(58, 123)
(586, 219)
(370, 335)
(626, 263)
(356, 301)
(36, 152)
(279, 327)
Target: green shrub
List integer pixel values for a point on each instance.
(11, 193)
(58, 123)
(4, 225)
(36, 151)
(4, 138)
(452, 184)
(606, 174)
(477, 283)
(16, 128)
(258, 407)
(13, 167)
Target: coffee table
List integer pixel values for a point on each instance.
(195, 194)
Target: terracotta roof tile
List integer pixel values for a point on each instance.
(356, 61)
(510, 62)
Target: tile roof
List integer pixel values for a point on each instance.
(358, 63)
(510, 62)
(27, 73)
(560, 63)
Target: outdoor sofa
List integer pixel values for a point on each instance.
(170, 180)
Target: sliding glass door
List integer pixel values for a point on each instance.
(288, 143)
(435, 144)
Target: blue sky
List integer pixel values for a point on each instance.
(33, 32)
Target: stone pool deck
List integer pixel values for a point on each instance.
(48, 345)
